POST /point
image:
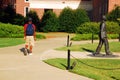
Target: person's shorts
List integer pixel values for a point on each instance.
(29, 40)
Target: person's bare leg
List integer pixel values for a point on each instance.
(26, 46)
(31, 47)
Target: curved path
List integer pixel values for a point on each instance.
(15, 66)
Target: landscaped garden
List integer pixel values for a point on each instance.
(98, 69)
(71, 21)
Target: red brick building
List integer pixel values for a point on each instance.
(95, 8)
(101, 7)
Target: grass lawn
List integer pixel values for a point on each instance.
(114, 47)
(5, 42)
(98, 69)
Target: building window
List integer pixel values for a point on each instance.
(46, 10)
(26, 11)
(26, 0)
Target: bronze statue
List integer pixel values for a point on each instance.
(103, 38)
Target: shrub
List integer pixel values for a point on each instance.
(14, 31)
(88, 27)
(114, 14)
(79, 37)
(51, 23)
(93, 27)
(112, 27)
(70, 19)
(7, 30)
(66, 20)
(19, 20)
(39, 36)
(8, 15)
(81, 17)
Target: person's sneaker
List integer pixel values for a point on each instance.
(25, 52)
(30, 54)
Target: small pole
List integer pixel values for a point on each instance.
(119, 37)
(92, 37)
(68, 41)
(68, 61)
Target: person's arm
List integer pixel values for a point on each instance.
(34, 32)
(25, 31)
(102, 30)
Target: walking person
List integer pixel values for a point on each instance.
(29, 36)
(103, 38)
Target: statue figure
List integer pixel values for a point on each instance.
(103, 38)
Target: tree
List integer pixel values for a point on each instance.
(7, 15)
(71, 19)
(50, 21)
(66, 20)
(114, 14)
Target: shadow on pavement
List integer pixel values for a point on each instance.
(23, 51)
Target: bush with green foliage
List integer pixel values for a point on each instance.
(35, 19)
(81, 17)
(14, 31)
(112, 27)
(67, 20)
(80, 37)
(114, 14)
(8, 15)
(93, 27)
(88, 27)
(50, 22)
(70, 19)
(19, 20)
(7, 30)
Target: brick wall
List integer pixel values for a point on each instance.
(112, 4)
(20, 5)
(57, 11)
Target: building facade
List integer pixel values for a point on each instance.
(102, 7)
(95, 8)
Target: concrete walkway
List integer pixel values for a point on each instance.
(15, 66)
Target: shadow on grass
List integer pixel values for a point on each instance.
(99, 55)
(64, 65)
(88, 50)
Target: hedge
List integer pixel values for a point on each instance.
(93, 27)
(6, 30)
(14, 31)
(80, 37)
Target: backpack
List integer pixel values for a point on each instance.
(29, 30)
